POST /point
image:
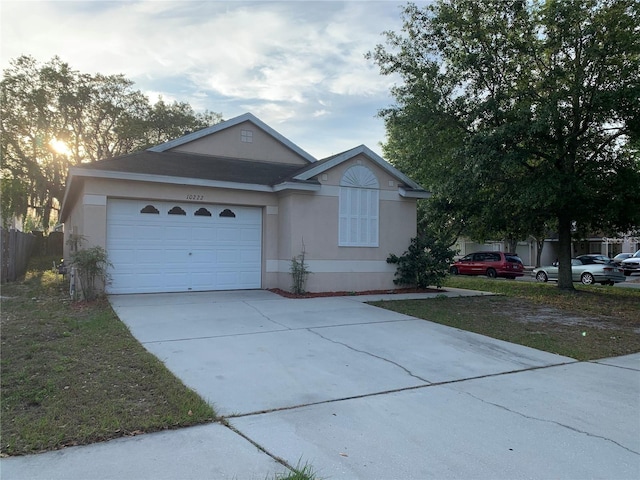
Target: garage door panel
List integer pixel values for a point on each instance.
(202, 232)
(176, 234)
(202, 281)
(250, 278)
(152, 258)
(249, 257)
(147, 231)
(228, 280)
(226, 257)
(138, 283)
(121, 255)
(203, 259)
(169, 253)
(126, 282)
(178, 278)
(248, 234)
(119, 209)
(227, 234)
(123, 232)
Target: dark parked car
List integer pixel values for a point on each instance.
(631, 264)
(491, 264)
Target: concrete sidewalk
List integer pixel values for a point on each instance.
(361, 392)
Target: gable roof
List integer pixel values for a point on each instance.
(247, 117)
(409, 188)
(161, 165)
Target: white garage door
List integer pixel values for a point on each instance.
(180, 247)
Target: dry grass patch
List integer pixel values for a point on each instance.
(73, 374)
(591, 323)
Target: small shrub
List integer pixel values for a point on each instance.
(425, 263)
(299, 273)
(91, 266)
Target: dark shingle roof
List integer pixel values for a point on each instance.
(185, 165)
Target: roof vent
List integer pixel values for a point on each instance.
(246, 136)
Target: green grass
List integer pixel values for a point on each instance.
(300, 472)
(590, 323)
(72, 374)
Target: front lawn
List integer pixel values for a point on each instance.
(591, 323)
(72, 373)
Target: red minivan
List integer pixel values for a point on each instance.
(491, 264)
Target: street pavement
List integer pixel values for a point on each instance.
(359, 392)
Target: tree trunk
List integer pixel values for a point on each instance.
(540, 245)
(564, 253)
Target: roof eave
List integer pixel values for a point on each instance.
(66, 198)
(410, 193)
(306, 186)
(145, 177)
(361, 149)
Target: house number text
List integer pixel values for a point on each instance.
(195, 197)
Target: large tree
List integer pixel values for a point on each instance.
(54, 117)
(520, 114)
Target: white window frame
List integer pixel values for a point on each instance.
(246, 136)
(359, 208)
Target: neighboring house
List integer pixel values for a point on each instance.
(12, 223)
(527, 250)
(228, 207)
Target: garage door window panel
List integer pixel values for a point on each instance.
(150, 209)
(176, 211)
(202, 212)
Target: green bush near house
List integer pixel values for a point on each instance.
(425, 263)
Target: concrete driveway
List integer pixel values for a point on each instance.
(361, 392)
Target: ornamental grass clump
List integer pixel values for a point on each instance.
(91, 267)
(299, 273)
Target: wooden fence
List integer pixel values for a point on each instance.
(15, 249)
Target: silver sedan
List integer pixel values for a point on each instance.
(583, 270)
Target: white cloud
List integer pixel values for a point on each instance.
(155, 97)
(290, 63)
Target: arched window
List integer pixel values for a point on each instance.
(150, 209)
(202, 212)
(177, 211)
(227, 213)
(358, 209)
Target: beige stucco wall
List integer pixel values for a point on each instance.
(227, 143)
(74, 225)
(289, 219)
(312, 218)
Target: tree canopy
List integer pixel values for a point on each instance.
(54, 117)
(520, 115)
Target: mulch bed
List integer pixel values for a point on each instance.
(284, 293)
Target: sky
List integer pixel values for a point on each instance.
(299, 66)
